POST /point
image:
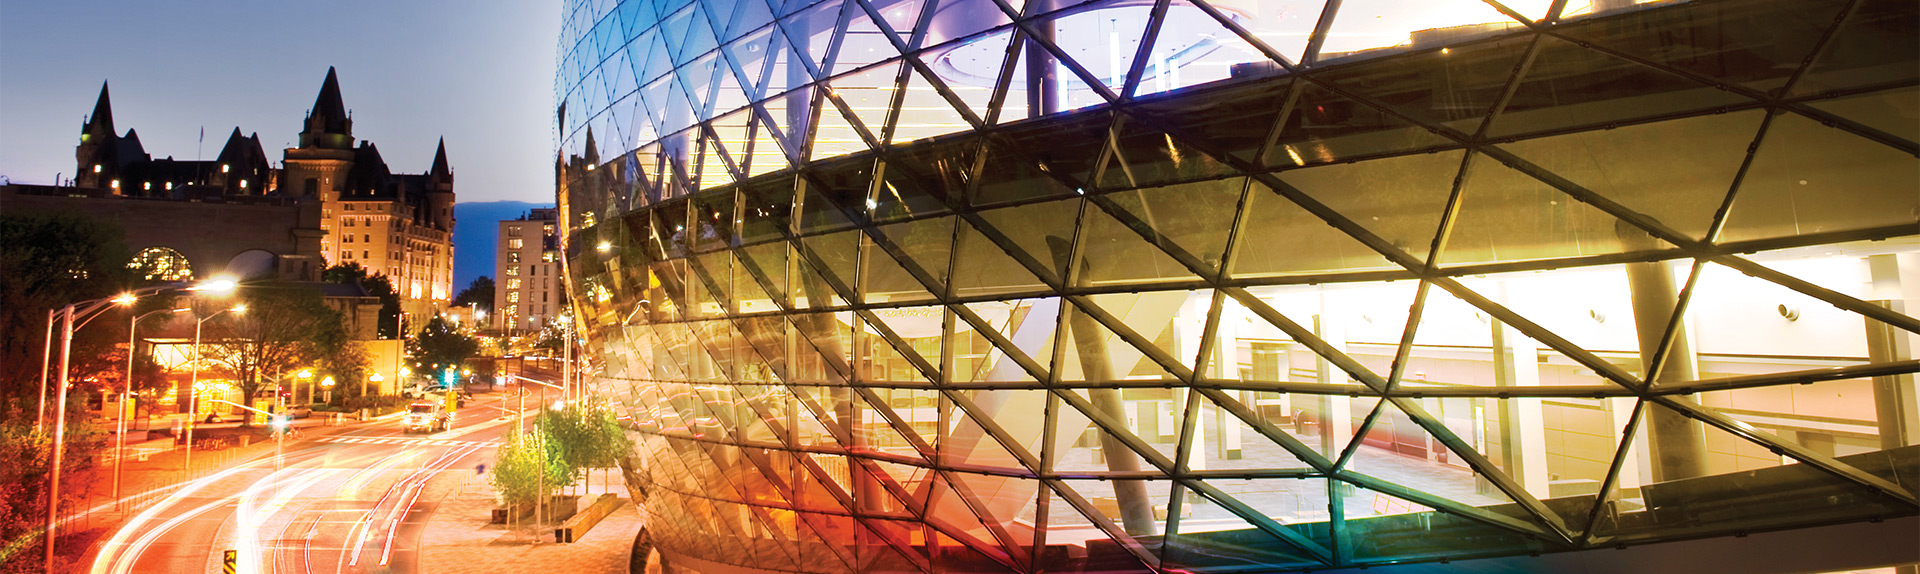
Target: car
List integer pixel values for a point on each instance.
(298, 411)
(426, 416)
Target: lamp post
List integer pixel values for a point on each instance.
(126, 393)
(193, 384)
(326, 390)
(90, 310)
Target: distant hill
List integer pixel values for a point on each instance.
(475, 237)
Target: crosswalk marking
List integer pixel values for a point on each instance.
(405, 440)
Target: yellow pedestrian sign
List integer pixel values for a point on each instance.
(231, 561)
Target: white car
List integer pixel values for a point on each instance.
(426, 416)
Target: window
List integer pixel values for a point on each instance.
(513, 269)
(366, 238)
(513, 257)
(513, 231)
(513, 283)
(364, 255)
(349, 222)
(346, 255)
(349, 207)
(513, 296)
(543, 296)
(514, 243)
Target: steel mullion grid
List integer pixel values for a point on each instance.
(971, 504)
(1105, 524)
(1156, 18)
(1609, 485)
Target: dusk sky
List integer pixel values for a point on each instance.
(480, 74)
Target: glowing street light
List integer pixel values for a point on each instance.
(126, 389)
(193, 385)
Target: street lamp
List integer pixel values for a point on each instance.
(326, 393)
(193, 384)
(126, 393)
(89, 309)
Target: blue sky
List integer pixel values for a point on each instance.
(478, 73)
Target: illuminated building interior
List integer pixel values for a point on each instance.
(1236, 286)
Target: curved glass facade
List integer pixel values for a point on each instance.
(1243, 286)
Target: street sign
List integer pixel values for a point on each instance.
(231, 560)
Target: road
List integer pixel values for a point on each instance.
(353, 501)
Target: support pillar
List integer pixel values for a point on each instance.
(1335, 411)
(1522, 428)
(1677, 444)
(1895, 409)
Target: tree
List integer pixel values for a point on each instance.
(440, 346)
(351, 273)
(48, 262)
(285, 328)
(479, 293)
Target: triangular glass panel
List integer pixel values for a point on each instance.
(920, 410)
(1400, 199)
(1042, 231)
(1757, 47)
(1279, 238)
(951, 511)
(713, 170)
(1506, 216)
(767, 261)
(916, 480)
(1460, 345)
(942, 169)
(815, 548)
(917, 327)
(1015, 179)
(1679, 462)
(839, 254)
(1808, 178)
(747, 60)
(813, 31)
(698, 78)
(967, 444)
(1144, 156)
(1327, 127)
(862, 44)
(901, 194)
(1020, 414)
(869, 94)
(880, 547)
(1222, 441)
(1095, 354)
(1077, 545)
(1133, 507)
(1027, 323)
(982, 268)
(1006, 503)
(1558, 91)
(833, 135)
(1194, 48)
(884, 281)
(1396, 449)
(748, 296)
(1477, 72)
(1111, 253)
(926, 242)
(810, 288)
(1369, 24)
(1734, 319)
(1210, 538)
(763, 346)
(880, 361)
(766, 156)
(1890, 111)
(1172, 320)
(730, 95)
(784, 69)
(924, 113)
(826, 206)
(1834, 419)
(1696, 159)
(1382, 527)
(956, 556)
(1154, 416)
(1865, 49)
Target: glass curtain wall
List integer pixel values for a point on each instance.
(1236, 286)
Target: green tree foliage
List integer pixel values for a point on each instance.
(25, 459)
(478, 293)
(526, 462)
(284, 329)
(440, 346)
(563, 443)
(351, 273)
(47, 262)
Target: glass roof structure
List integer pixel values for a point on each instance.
(1243, 286)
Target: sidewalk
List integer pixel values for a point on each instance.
(457, 537)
